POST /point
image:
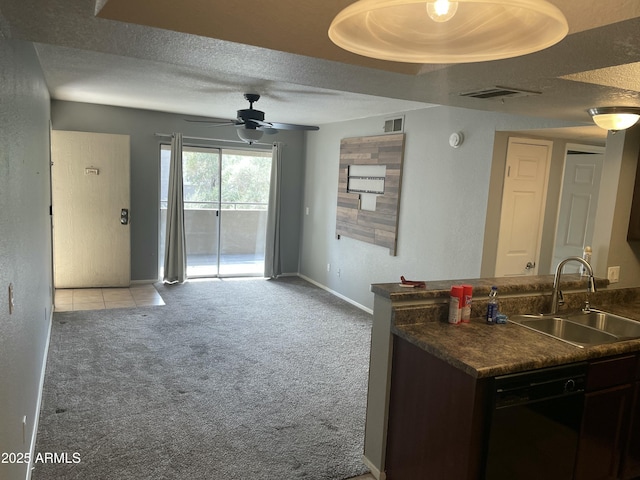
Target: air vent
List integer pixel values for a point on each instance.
(393, 125)
(498, 92)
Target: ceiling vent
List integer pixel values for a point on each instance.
(392, 125)
(498, 92)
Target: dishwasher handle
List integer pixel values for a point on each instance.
(538, 390)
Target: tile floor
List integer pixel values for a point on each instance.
(103, 298)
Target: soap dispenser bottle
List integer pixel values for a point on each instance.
(492, 306)
(586, 255)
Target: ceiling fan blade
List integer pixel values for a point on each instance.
(292, 126)
(260, 123)
(214, 123)
(268, 130)
(282, 126)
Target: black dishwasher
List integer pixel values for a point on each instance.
(535, 423)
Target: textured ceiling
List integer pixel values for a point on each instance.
(198, 60)
(289, 26)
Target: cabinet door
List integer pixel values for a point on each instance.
(435, 418)
(603, 429)
(631, 459)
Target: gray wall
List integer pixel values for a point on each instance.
(442, 208)
(494, 205)
(141, 125)
(623, 253)
(25, 245)
(609, 243)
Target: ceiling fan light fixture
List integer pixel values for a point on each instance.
(441, 10)
(442, 31)
(249, 135)
(615, 118)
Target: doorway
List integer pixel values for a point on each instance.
(90, 199)
(226, 196)
(523, 203)
(578, 203)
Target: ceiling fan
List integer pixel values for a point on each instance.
(251, 125)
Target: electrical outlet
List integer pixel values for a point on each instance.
(338, 273)
(613, 274)
(328, 267)
(306, 211)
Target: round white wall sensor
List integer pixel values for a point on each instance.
(456, 139)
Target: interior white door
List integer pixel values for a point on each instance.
(90, 190)
(578, 205)
(523, 201)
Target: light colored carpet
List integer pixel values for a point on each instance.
(232, 379)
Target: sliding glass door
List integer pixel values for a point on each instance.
(225, 209)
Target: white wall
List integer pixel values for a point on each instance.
(442, 207)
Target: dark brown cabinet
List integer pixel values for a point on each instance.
(631, 458)
(603, 424)
(436, 418)
(439, 419)
(605, 420)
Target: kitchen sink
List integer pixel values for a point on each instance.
(621, 327)
(582, 329)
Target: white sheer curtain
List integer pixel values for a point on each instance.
(272, 264)
(175, 252)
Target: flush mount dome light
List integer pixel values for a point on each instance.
(249, 135)
(615, 118)
(442, 31)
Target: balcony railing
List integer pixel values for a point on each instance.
(242, 227)
(224, 205)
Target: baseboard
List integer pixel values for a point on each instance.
(374, 471)
(144, 282)
(339, 295)
(34, 433)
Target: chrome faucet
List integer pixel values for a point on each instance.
(556, 297)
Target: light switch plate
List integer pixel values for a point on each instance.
(613, 274)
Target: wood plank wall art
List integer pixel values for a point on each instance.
(369, 189)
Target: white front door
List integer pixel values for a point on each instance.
(578, 204)
(523, 201)
(90, 190)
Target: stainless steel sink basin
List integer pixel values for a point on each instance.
(566, 330)
(582, 329)
(623, 328)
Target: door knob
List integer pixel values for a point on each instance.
(530, 265)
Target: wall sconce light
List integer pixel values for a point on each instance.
(443, 31)
(615, 118)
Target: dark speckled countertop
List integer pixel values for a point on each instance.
(481, 286)
(483, 350)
